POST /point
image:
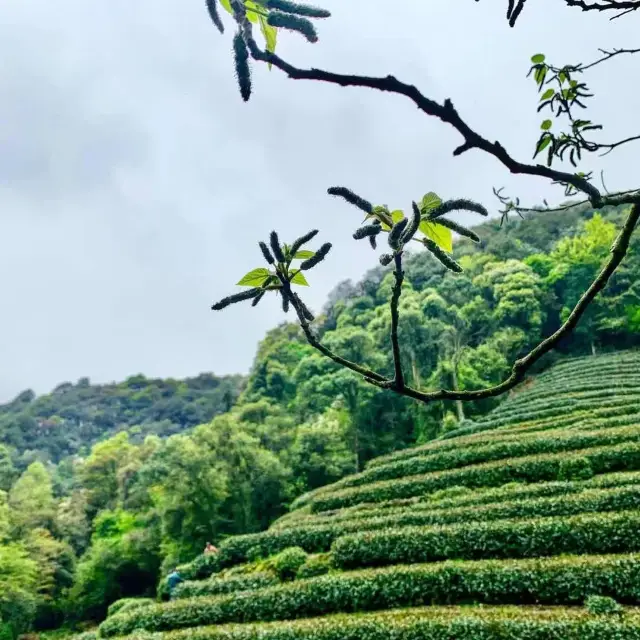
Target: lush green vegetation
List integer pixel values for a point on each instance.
(511, 515)
(106, 488)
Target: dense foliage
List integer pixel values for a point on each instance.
(107, 488)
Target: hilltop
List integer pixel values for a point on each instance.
(73, 417)
(536, 505)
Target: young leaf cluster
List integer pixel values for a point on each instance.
(282, 274)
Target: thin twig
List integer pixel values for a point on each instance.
(398, 273)
(607, 55)
(316, 344)
(611, 147)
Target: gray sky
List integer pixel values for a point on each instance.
(135, 183)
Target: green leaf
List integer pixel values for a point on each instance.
(562, 76)
(299, 278)
(546, 125)
(227, 5)
(396, 216)
(255, 278)
(430, 201)
(539, 58)
(441, 235)
(270, 35)
(304, 255)
(540, 75)
(543, 143)
(253, 11)
(549, 93)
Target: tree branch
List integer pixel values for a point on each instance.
(398, 380)
(607, 5)
(316, 344)
(445, 112)
(606, 55)
(520, 367)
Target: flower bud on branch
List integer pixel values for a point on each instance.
(395, 235)
(460, 204)
(459, 229)
(351, 198)
(293, 23)
(212, 7)
(243, 71)
(413, 226)
(300, 242)
(276, 248)
(320, 255)
(299, 9)
(237, 297)
(442, 256)
(266, 253)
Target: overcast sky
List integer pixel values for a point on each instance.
(135, 183)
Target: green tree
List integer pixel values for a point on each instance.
(31, 500)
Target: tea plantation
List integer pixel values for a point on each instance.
(525, 525)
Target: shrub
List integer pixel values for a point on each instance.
(287, 563)
(575, 469)
(567, 580)
(462, 457)
(316, 565)
(597, 533)
(128, 604)
(624, 456)
(602, 605)
(201, 567)
(587, 501)
(217, 586)
(433, 623)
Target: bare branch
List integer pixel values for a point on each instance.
(316, 344)
(520, 367)
(625, 6)
(611, 147)
(606, 55)
(445, 112)
(398, 380)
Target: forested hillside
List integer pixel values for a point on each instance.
(75, 416)
(105, 488)
(534, 522)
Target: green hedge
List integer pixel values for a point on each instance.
(201, 567)
(316, 565)
(462, 457)
(472, 440)
(310, 536)
(588, 501)
(466, 498)
(433, 623)
(128, 604)
(588, 534)
(529, 469)
(568, 580)
(217, 586)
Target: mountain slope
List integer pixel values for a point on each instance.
(540, 507)
(72, 418)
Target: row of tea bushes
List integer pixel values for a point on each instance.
(541, 468)
(583, 534)
(466, 456)
(432, 623)
(545, 581)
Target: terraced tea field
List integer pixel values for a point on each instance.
(521, 526)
